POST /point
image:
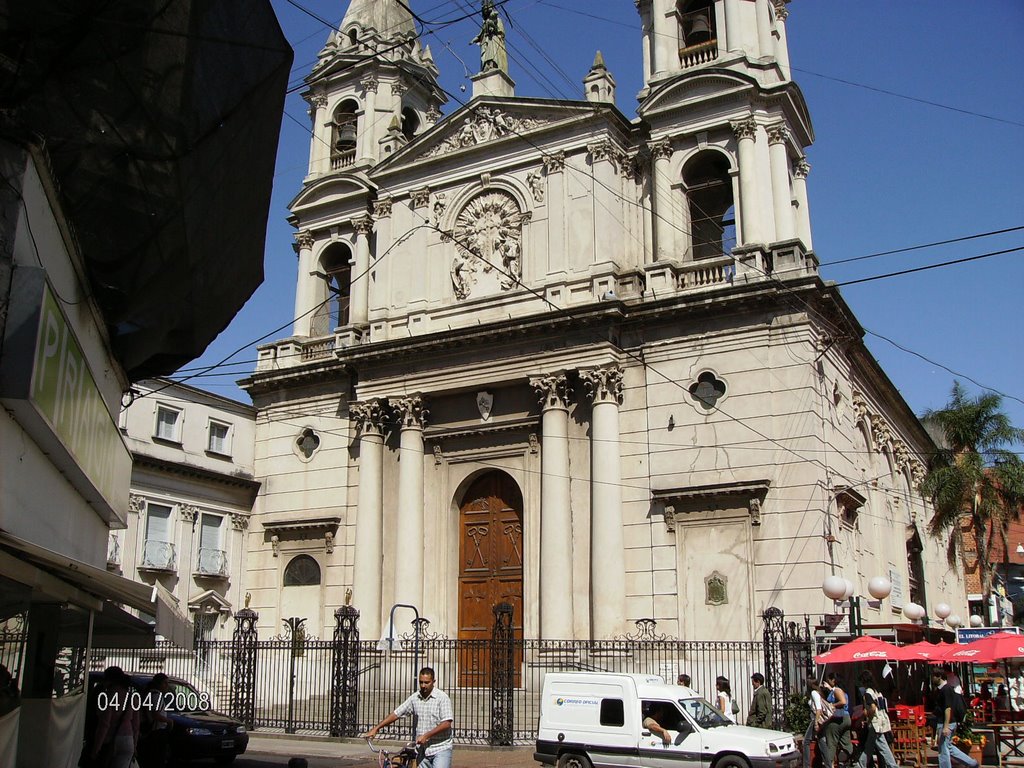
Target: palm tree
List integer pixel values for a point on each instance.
(975, 482)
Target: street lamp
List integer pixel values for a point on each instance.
(837, 589)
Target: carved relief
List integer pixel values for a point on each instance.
(304, 239)
(369, 83)
(802, 168)
(661, 150)
(754, 506)
(603, 385)
(136, 503)
(433, 115)
(188, 512)
(534, 444)
(420, 197)
(552, 390)
(438, 208)
(382, 209)
(369, 415)
(485, 124)
(781, 12)
(536, 184)
(745, 129)
(716, 589)
(860, 407)
(363, 225)
(438, 455)
(239, 522)
(411, 411)
(328, 542)
(488, 235)
(777, 134)
(554, 163)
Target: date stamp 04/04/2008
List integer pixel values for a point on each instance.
(154, 701)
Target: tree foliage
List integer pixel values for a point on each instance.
(975, 481)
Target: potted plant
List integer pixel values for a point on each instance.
(967, 740)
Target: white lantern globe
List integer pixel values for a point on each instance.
(834, 587)
(942, 610)
(913, 611)
(879, 587)
(953, 621)
(850, 589)
(976, 620)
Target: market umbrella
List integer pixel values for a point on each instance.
(925, 651)
(985, 650)
(861, 649)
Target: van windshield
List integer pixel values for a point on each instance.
(703, 713)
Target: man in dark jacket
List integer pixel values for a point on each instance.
(760, 714)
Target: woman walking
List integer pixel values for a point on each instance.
(725, 698)
(815, 723)
(878, 725)
(835, 733)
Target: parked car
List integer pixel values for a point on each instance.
(597, 719)
(197, 732)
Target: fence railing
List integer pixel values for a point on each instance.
(212, 562)
(343, 686)
(158, 556)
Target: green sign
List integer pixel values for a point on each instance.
(59, 404)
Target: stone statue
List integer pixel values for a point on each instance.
(492, 40)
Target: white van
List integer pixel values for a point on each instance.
(596, 719)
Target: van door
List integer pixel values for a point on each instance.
(685, 748)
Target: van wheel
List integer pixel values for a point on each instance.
(731, 761)
(572, 760)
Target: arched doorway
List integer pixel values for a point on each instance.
(490, 566)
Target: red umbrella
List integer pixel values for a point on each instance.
(925, 651)
(861, 649)
(985, 650)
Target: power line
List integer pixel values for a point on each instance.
(931, 266)
(907, 249)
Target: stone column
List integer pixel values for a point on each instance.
(765, 40)
(750, 215)
(358, 307)
(645, 32)
(782, 46)
(607, 551)
(409, 560)
(733, 25)
(666, 38)
(319, 144)
(554, 170)
(646, 169)
(186, 554)
(803, 216)
(782, 195)
(366, 577)
(664, 231)
(367, 137)
(236, 555)
(555, 513)
(604, 158)
(305, 284)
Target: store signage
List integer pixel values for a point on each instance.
(970, 634)
(45, 380)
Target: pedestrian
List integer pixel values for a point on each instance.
(726, 705)
(948, 714)
(117, 725)
(835, 732)
(154, 744)
(434, 718)
(953, 678)
(1016, 690)
(683, 680)
(816, 719)
(760, 714)
(1002, 699)
(876, 717)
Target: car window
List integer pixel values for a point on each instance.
(182, 697)
(702, 713)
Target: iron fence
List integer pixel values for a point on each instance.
(343, 686)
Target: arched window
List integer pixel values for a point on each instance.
(709, 198)
(696, 23)
(343, 134)
(302, 571)
(353, 37)
(337, 275)
(410, 123)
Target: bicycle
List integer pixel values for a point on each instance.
(401, 759)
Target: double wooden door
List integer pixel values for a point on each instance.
(490, 569)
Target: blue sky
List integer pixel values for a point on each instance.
(888, 171)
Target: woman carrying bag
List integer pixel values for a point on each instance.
(878, 725)
(117, 727)
(835, 732)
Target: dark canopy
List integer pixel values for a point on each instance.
(161, 120)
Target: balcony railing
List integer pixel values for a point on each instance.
(695, 55)
(158, 556)
(212, 562)
(343, 160)
(113, 553)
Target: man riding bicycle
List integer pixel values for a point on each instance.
(434, 718)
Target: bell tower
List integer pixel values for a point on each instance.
(728, 133)
(680, 35)
(371, 71)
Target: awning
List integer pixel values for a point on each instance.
(72, 580)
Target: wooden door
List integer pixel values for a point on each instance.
(490, 569)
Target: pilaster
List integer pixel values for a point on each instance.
(409, 575)
(664, 231)
(782, 196)
(305, 284)
(751, 229)
(803, 214)
(370, 417)
(358, 310)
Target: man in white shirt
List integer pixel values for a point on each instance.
(434, 718)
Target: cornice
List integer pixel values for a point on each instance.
(246, 482)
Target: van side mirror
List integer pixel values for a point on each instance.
(645, 732)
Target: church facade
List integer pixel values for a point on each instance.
(586, 365)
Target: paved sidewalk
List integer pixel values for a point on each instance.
(354, 753)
